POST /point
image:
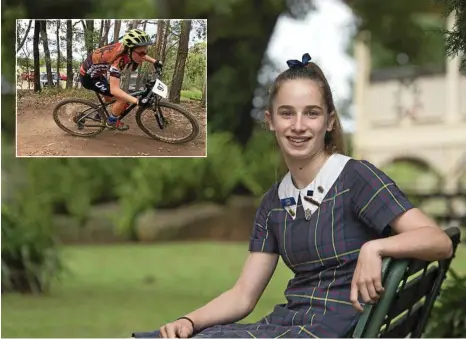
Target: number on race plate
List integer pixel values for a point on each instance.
(160, 89)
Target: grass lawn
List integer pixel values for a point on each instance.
(191, 95)
(111, 291)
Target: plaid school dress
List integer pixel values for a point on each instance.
(318, 232)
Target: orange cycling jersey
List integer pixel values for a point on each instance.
(106, 59)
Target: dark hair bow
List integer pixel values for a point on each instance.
(299, 64)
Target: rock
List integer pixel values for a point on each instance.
(99, 227)
(67, 229)
(206, 221)
(240, 214)
(200, 221)
(188, 222)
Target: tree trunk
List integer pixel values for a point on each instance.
(165, 39)
(116, 30)
(45, 44)
(204, 94)
(88, 27)
(141, 75)
(106, 30)
(35, 53)
(159, 41)
(90, 32)
(178, 74)
(69, 54)
(28, 71)
(101, 32)
(58, 53)
(20, 45)
(132, 24)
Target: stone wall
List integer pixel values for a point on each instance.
(203, 221)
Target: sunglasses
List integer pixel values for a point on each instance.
(141, 54)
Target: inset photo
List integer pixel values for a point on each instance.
(111, 88)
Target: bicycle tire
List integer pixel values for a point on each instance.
(178, 108)
(80, 101)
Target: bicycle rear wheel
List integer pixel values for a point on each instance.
(171, 123)
(81, 118)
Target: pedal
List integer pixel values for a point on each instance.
(123, 128)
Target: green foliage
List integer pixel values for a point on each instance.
(448, 318)
(398, 27)
(8, 116)
(122, 9)
(166, 183)
(263, 161)
(456, 37)
(9, 16)
(413, 177)
(195, 71)
(30, 257)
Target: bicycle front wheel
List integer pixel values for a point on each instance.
(170, 123)
(79, 117)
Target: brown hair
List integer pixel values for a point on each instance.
(334, 140)
(121, 53)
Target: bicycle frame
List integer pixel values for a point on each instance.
(103, 104)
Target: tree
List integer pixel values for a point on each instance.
(141, 75)
(401, 27)
(116, 30)
(88, 27)
(69, 54)
(36, 56)
(21, 43)
(58, 53)
(127, 72)
(24, 39)
(204, 94)
(177, 80)
(104, 30)
(164, 43)
(456, 37)
(45, 44)
(159, 38)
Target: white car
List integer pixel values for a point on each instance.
(43, 79)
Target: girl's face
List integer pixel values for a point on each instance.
(300, 119)
(139, 53)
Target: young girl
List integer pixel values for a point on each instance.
(328, 219)
(129, 53)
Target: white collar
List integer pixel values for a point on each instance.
(317, 189)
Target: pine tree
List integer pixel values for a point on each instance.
(456, 37)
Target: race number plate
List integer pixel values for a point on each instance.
(160, 89)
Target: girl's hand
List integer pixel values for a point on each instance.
(367, 278)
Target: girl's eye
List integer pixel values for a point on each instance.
(312, 113)
(286, 113)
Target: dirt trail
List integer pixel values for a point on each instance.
(38, 135)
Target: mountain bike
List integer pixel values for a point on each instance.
(91, 120)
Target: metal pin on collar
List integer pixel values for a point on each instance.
(307, 214)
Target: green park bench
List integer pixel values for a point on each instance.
(411, 288)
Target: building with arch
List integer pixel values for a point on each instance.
(411, 114)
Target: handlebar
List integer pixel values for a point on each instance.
(158, 74)
(150, 83)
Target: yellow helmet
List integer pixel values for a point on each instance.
(136, 38)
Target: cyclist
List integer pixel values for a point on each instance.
(114, 58)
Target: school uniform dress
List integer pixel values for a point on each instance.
(319, 238)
